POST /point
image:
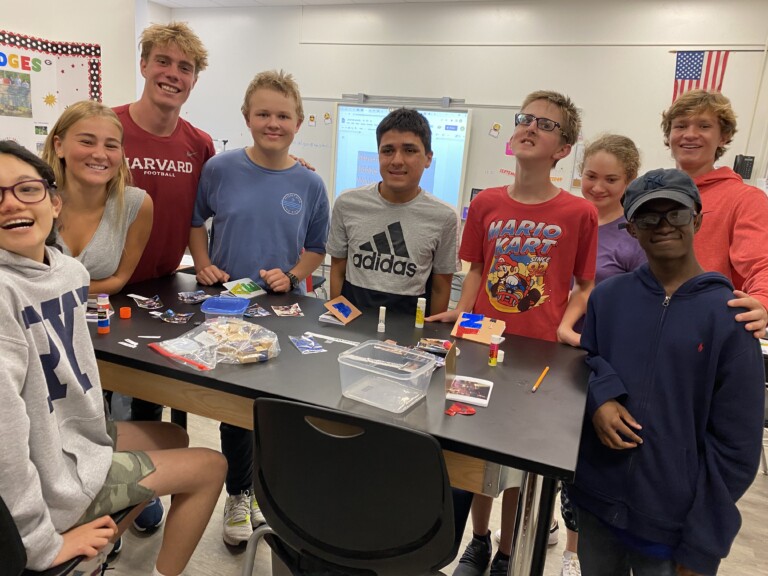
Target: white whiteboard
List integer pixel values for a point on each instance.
(488, 162)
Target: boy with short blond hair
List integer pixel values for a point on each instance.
(525, 242)
(270, 224)
(165, 155)
(697, 128)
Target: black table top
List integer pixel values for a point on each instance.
(536, 432)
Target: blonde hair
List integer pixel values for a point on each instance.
(571, 117)
(621, 147)
(177, 33)
(279, 82)
(699, 102)
(73, 114)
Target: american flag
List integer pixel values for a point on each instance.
(699, 70)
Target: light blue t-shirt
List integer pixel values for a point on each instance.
(262, 219)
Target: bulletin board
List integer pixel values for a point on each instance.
(489, 162)
(38, 80)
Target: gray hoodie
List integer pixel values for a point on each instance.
(55, 452)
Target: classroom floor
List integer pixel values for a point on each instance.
(214, 558)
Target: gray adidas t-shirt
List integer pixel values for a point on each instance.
(390, 247)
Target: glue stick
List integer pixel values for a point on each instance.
(382, 316)
(493, 351)
(421, 308)
(102, 314)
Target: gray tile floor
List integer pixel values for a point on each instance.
(749, 555)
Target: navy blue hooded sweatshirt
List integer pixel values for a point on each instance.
(693, 378)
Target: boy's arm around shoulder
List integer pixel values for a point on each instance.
(729, 456)
(20, 485)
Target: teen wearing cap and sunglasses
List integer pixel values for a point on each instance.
(525, 242)
(675, 401)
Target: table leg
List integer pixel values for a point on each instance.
(525, 524)
(179, 418)
(541, 541)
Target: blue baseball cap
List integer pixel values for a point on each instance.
(669, 184)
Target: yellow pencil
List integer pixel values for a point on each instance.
(538, 382)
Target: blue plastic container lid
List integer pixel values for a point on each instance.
(225, 306)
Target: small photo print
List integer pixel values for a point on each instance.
(470, 390)
(292, 310)
(255, 311)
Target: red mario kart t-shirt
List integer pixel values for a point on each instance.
(529, 254)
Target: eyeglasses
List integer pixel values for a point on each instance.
(677, 217)
(26, 192)
(543, 123)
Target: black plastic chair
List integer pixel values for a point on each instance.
(318, 285)
(344, 494)
(14, 556)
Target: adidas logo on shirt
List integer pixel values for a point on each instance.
(385, 253)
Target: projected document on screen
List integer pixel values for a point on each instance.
(357, 160)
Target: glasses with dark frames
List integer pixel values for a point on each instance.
(543, 123)
(27, 191)
(677, 217)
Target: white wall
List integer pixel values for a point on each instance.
(109, 24)
(613, 58)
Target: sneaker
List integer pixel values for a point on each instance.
(476, 557)
(500, 565)
(151, 518)
(237, 519)
(257, 518)
(571, 566)
(554, 534)
(117, 547)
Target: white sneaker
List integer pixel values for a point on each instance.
(257, 518)
(554, 534)
(237, 519)
(571, 566)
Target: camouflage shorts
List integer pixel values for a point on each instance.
(112, 431)
(121, 487)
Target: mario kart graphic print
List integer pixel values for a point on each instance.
(516, 278)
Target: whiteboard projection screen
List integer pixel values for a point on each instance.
(356, 158)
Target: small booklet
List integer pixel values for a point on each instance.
(329, 318)
(470, 390)
(244, 288)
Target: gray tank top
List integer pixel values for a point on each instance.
(102, 254)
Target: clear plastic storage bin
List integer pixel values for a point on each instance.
(384, 375)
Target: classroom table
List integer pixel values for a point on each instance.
(538, 433)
